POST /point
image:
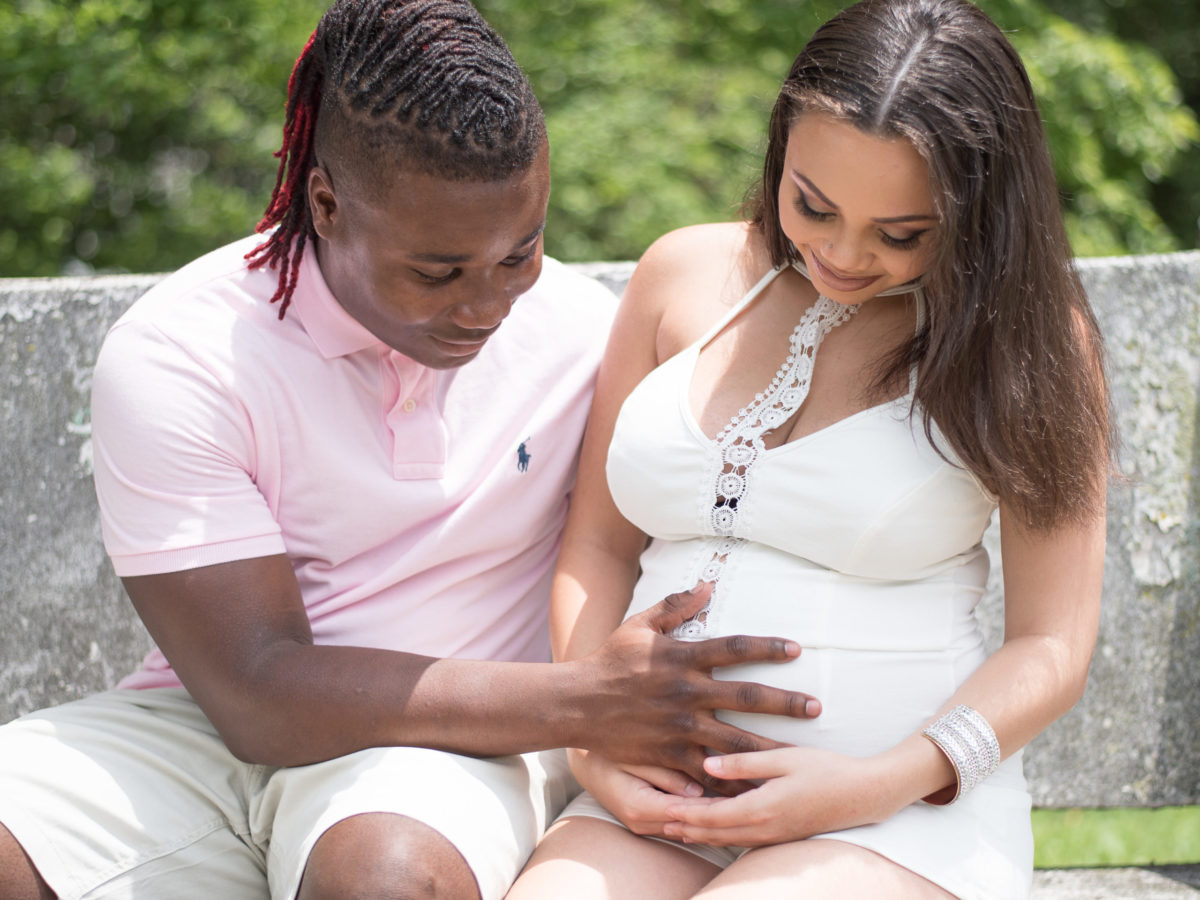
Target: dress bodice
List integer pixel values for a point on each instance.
(868, 495)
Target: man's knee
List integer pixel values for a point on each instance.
(386, 857)
(19, 879)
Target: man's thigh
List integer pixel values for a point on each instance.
(129, 793)
(493, 811)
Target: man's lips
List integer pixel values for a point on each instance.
(461, 345)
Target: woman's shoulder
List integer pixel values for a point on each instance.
(688, 278)
(702, 266)
(706, 249)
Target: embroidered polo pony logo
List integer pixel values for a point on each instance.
(523, 457)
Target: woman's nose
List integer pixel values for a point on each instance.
(846, 253)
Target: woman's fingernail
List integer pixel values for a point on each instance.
(812, 708)
(693, 790)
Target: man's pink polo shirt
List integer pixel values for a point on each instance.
(421, 508)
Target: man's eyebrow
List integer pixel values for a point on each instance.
(887, 220)
(531, 237)
(450, 259)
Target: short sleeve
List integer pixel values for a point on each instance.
(175, 459)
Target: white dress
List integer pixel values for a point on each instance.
(858, 541)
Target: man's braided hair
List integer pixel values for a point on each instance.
(386, 85)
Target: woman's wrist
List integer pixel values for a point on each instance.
(914, 769)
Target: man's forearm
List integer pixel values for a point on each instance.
(305, 704)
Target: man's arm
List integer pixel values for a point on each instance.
(238, 637)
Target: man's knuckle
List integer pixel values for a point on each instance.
(738, 645)
(750, 695)
(683, 691)
(676, 755)
(684, 722)
(742, 743)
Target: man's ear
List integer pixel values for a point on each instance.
(322, 201)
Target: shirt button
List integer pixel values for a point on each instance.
(409, 405)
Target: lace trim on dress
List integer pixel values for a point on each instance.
(740, 444)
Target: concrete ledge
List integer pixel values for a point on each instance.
(1159, 883)
(1133, 741)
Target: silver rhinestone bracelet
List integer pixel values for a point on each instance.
(969, 743)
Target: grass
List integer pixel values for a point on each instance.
(1116, 837)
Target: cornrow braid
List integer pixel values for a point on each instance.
(426, 85)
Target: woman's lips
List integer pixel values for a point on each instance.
(839, 281)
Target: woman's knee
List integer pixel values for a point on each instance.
(383, 856)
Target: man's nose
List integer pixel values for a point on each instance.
(489, 303)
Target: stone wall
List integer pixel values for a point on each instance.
(1134, 740)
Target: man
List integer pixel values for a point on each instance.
(337, 516)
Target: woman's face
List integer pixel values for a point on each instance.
(858, 208)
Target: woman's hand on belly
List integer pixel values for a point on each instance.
(637, 795)
(804, 791)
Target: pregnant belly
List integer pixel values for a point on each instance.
(882, 657)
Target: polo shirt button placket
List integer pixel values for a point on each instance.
(418, 434)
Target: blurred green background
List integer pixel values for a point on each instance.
(136, 134)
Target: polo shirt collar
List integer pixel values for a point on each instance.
(332, 329)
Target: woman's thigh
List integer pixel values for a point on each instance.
(591, 859)
(819, 868)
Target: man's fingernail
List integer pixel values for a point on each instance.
(812, 708)
(693, 790)
(791, 648)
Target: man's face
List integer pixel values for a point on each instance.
(431, 266)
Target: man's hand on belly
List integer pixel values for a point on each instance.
(647, 698)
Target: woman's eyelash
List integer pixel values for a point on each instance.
(896, 243)
(805, 210)
(901, 243)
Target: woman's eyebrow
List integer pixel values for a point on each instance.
(805, 182)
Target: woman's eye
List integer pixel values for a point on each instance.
(906, 243)
(808, 212)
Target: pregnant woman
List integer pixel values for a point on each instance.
(814, 415)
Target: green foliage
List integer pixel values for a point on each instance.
(135, 134)
(1116, 123)
(656, 111)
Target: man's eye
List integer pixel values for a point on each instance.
(517, 260)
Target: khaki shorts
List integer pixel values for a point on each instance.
(133, 794)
